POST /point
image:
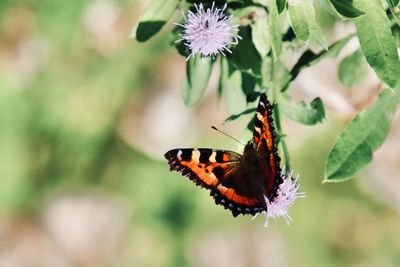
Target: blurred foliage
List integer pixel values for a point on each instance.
(59, 131)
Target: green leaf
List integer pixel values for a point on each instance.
(303, 113)
(317, 36)
(198, 71)
(245, 55)
(377, 41)
(305, 26)
(299, 22)
(346, 8)
(261, 2)
(180, 46)
(309, 58)
(153, 19)
(275, 30)
(341, 9)
(352, 69)
(278, 78)
(281, 4)
(393, 3)
(329, 7)
(243, 113)
(245, 11)
(353, 149)
(260, 37)
(231, 85)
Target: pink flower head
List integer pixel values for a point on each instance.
(284, 199)
(208, 32)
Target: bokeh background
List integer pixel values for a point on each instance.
(87, 113)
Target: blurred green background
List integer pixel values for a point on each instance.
(87, 113)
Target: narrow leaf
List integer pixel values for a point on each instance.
(298, 21)
(281, 4)
(316, 34)
(377, 41)
(245, 11)
(309, 58)
(305, 26)
(393, 3)
(153, 19)
(261, 2)
(231, 85)
(245, 55)
(198, 71)
(260, 36)
(329, 7)
(353, 149)
(346, 8)
(237, 116)
(275, 30)
(303, 113)
(353, 69)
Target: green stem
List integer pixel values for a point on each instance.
(282, 139)
(275, 94)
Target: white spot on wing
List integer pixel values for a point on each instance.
(195, 155)
(212, 157)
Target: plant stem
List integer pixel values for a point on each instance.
(275, 94)
(282, 139)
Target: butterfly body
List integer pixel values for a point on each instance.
(241, 183)
(249, 176)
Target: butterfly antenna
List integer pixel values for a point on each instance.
(215, 128)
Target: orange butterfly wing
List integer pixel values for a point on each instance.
(239, 183)
(265, 142)
(211, 169)
(204, 166)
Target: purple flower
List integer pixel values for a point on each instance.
(284, 199)
(208, 32)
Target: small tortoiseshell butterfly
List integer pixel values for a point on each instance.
(245, 184)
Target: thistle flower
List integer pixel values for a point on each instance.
(286, 195)
(208, 32)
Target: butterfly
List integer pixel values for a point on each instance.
(244, 184)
